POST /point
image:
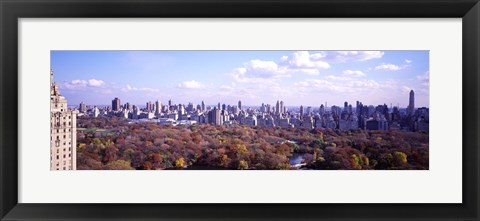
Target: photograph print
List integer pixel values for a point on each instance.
(239, 110)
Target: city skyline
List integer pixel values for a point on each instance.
(308, 78)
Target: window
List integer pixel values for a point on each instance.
(69, 155)
(64, 156)
(58, 150)
(64, 168)
(64, 136)
(57, 157)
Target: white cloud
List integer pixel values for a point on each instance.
(226, 88)
(346, 56)
(406, 89)
(95, 83)
(345, 85)
(408, 61)
(82, 84)
(305, 60)
(262, 69)
(321, 85)
(388, 67)
(350, 73)
(365, 84)
(129, 88)
(191, 85)
(300, 62)
(424, 77)
(338, 78)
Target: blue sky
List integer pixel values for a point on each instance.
(308, 78)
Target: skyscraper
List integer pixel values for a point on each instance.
(240, 105)
(82, 107)
(411, 104)
(214, 117)
(203, 106)
(158, 107)
(149, 106)
(301, 111)
(63, 135)
(116, 104)
(281, 106)
(277, 107)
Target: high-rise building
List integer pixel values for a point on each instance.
(82, 107)
(321, 110)
(203, 106)
(411, 103)
(96, 112)
(149, 106)
(214, 117)
(158, 107)
(190, 107)
(301, 111)
(240, 105)
(63, 135)
(277, 108)
(281, 107)
(116, 104)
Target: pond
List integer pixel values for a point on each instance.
(297, 160)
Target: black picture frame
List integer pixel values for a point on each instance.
(12, 10)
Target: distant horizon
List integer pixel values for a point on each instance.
(244, 105)
(308, 78)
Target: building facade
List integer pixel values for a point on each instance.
(411, 103)
(116, 104)
(63, 131)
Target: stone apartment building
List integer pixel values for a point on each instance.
(63, 131)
